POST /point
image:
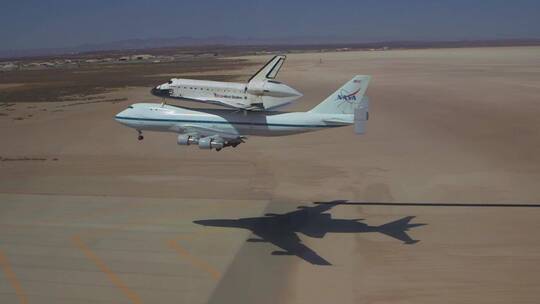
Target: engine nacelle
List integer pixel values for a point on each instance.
(186, 140)
(210, 143)
(256, 87)
(271, 88)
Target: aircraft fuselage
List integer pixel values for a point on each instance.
(166, 118)
(261, 95)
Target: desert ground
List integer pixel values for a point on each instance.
(88, 214)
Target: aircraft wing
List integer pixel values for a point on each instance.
(338, 121)
(291, 244)
(306, 211)
(224, 102)
(207, 131)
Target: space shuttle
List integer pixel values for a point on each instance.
(262, 92)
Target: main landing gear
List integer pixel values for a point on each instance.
(140, 137)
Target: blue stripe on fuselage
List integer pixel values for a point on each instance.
(231, 122)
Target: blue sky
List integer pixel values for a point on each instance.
(61, 23)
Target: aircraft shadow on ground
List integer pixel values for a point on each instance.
(282, 230)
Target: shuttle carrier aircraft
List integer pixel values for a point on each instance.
(219, 128)
(261, 92)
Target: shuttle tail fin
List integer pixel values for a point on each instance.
(270, 69)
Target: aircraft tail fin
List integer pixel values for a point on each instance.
(398, 229)
(346, 99)
(270, 69)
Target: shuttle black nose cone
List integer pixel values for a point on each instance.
(160, 93)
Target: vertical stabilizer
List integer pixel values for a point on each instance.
(347, 98)
(270, 69)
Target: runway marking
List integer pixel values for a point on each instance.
(195, 261)
(115, 279)
(12, 278)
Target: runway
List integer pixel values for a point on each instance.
(79, 249)
(89, 214)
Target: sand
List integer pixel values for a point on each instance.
(446, 126)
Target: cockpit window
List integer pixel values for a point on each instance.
(169, 82)
(130, 107)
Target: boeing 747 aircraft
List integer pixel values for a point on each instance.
(261, 92)
(281, 230)
(219, 128)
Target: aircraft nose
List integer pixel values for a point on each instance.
(160, 91)
(120, 116)
(156, 91)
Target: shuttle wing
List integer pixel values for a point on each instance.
(225, 102)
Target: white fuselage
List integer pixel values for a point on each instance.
(166, 118)
(262, 94)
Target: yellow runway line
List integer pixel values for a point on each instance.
(12, 278)
(195, 261)
(130, 294)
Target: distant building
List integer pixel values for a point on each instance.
(206, 55)
(142, 57)
(9, 66)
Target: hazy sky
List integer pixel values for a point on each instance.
(61, 23)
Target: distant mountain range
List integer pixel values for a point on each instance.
(155, 43)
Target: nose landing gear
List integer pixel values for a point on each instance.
(140, 137)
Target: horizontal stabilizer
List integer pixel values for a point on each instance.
(361, 116)
(397, 229)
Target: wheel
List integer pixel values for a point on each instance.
(218, 149)
(140, 137)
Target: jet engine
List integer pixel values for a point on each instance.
(211, 143)
(272, 88)
(256, 87)
(186, 140)
(270, 93)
